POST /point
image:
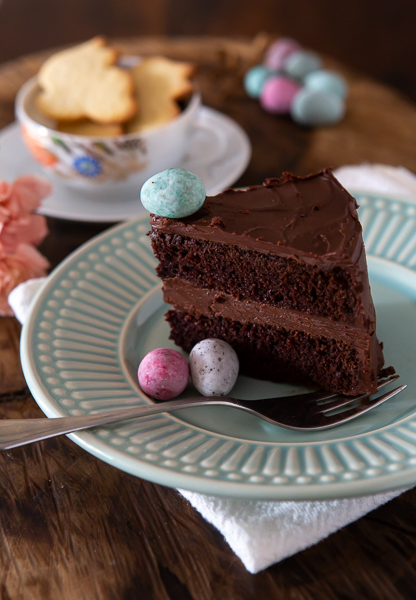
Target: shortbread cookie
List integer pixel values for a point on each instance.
(158, 83)
(86, 127)
(83, 82)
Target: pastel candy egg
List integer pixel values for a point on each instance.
(326, 81)
(317, 108)
(277, 95)
(299, 64)
(163, 373)
(174, 193)
(279, 51)
(214, 367)
(255, 79)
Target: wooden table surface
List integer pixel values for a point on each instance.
(75, 528)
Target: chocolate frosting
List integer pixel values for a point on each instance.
(186, 297)
(312, 217)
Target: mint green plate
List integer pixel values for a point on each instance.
(101, 311)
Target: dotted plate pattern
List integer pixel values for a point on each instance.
(71, 356)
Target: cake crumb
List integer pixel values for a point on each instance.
(217, 222)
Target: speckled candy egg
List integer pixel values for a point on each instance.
(317, 108)
(279, 51)
(255, 79)
(326, 81)
(174, 193)
(214, 367)
(163, 373)
(277, 95)
(299, 64)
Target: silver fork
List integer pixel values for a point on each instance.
(305, 412)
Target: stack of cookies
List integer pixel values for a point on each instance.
(87, 93)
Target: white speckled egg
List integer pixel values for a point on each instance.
(317, 108)
(214, 367)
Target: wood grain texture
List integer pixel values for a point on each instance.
(75, 528)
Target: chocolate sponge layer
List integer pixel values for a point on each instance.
(274, 280)
(277, 354)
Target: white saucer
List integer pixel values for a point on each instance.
(219, 153)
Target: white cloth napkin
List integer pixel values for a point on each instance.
(21, 297)
(262, 533)
(377, 179)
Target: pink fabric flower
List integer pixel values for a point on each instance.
(20, 232)
(17, 202)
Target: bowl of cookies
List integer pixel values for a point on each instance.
(102, 123)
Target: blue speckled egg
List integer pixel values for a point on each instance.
(326, 81)
(317, 108)
(255, 79)
(299, 64)
(174, 193)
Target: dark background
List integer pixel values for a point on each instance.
(374, 36)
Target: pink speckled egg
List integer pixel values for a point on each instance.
(279, 51)
(277, 94)
(163, 374)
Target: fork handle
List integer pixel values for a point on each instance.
(17, 432)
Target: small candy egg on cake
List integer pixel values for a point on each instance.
(173, 193)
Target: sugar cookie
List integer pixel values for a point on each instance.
(158, 83)
(83, 82)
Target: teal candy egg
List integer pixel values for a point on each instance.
(317, 108)
(299, 64)
(255, 79)
(326, 81)
(174, 193)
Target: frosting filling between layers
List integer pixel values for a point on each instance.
(186, 297)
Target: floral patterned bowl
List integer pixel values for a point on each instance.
(103, 167)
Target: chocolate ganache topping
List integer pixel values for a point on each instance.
(313, 217)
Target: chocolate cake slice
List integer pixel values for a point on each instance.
(279, 272)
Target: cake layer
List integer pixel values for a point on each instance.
(186, 297)
(313, 218)
(274, 280)
(213, 306)
(274, 353)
